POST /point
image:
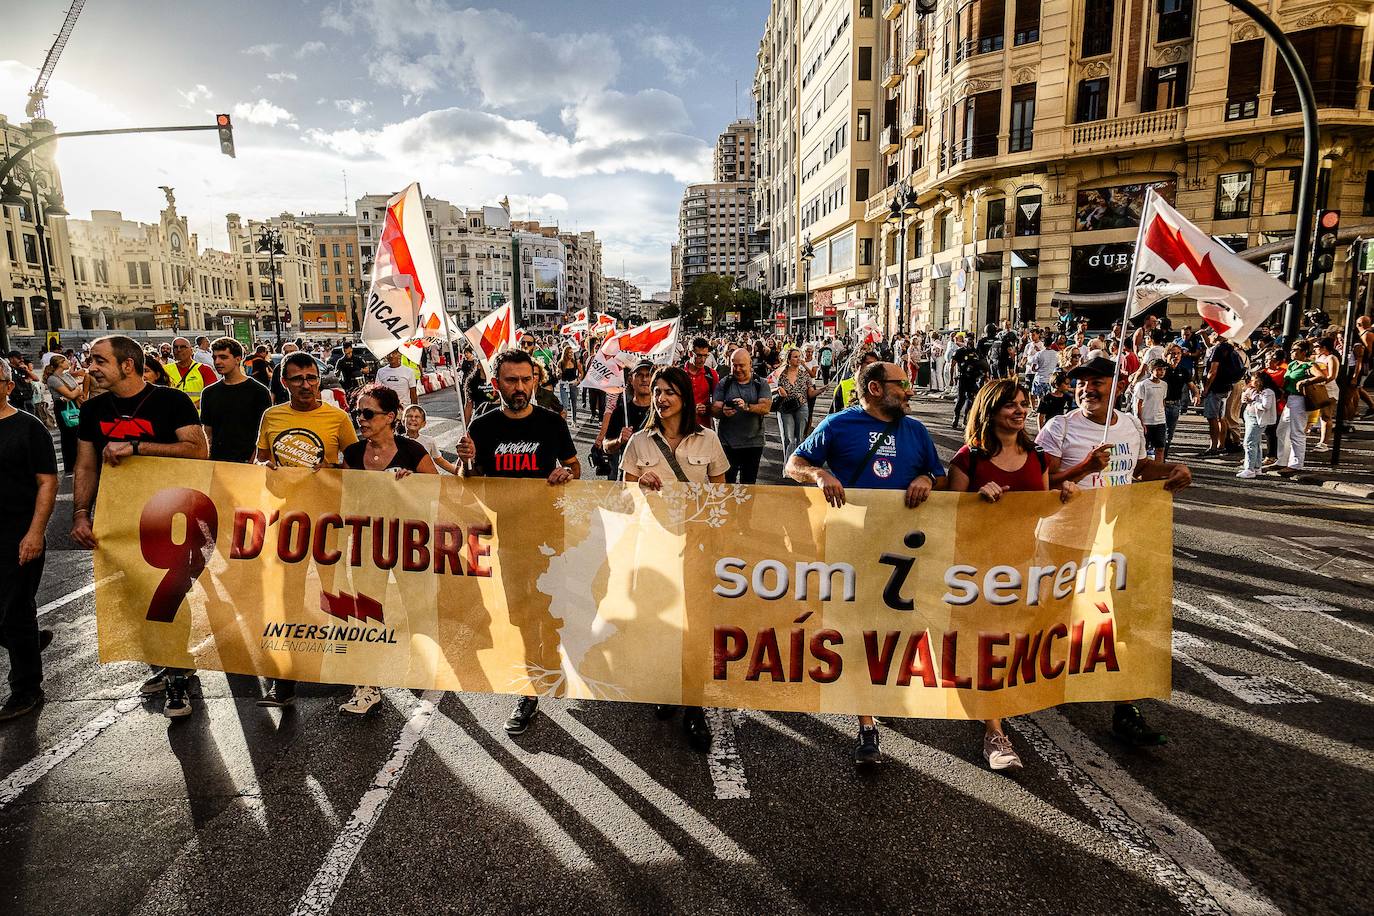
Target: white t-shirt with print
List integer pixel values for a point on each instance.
(1150, 394)
(1071, 436)
(1043, 365)
(399, 379)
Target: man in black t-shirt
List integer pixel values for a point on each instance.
(522, 440)
(970, 367)
(232, 408)
(626, 415)
(28, 490)
(128, 418)
(350, 368)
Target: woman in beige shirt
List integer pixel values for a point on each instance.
(673, 429)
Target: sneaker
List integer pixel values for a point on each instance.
(1270, 462)
(1130, 726)
(999, 753)
(20, 704)
(526, 708)
(44, 639)
(279, 694)
(155, 684)
(697, 731)
(1247, 474)
(364, 698)
(867, 752)
(178, 700)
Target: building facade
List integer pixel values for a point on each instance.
(715, 229)
(297, 271)
(733, 159)
(23, 292)
(476, 263)
(622, 297)
(339, 260)
(585, 285)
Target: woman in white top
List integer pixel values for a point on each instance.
(674, 446)
(1328, 365)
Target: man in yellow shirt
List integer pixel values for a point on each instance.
(187, 373)
(302, 433)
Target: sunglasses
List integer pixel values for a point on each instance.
(904, 382)
(367, 413)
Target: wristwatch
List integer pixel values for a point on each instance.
(135, 446)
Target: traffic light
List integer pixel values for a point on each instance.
(1324, 253)
(226, 135)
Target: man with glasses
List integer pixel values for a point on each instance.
(704, 380)
(130, 418)
(186, 373)
(302, 433)
(873, 445)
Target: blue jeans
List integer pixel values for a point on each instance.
(1254, 439)
(1172, 411)
(790, 426)
(567, 396)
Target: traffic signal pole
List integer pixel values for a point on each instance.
(224, 127)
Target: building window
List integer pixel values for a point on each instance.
(992, 25)
(1022, 118)
(981, 114)
(1026, 25)
(1280, 191)
(1098, 19)
(866, 250)
(1165, 87)
(1028, 214)
(348, 249)
(31, 251)
(861, 125)
(996, 218)
(1332, 57)
(1175, 20)
(1233, 195)
(941, 232)
(1243, 79)
(861, 184)
(323, 253)
(865, 63)
(1092, 100)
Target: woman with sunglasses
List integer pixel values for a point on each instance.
(376, 410)
(999, 457)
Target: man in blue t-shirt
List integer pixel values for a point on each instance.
(873, 445)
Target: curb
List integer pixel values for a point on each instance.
(1361, 490)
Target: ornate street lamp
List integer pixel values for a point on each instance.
(903, 204)
(270, 244)
(807, 253)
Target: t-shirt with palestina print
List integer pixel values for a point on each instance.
(1071, 436)
(306, 438)
(532, 446)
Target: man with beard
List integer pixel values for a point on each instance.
(873, 445)
(523, 440)
(741, 402)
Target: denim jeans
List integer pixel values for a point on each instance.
(1172, 411)
(1254, 436)
(1296, 411)
(567, 396)
(790, 427)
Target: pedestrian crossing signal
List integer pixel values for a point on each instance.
(226, 135)
(1328, 225)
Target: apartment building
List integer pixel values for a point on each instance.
(734, 155)
(297, 269)
(585, 285)
(715, 231)
(339, 259)
(23, 294)
(475, 262)
(622, 297)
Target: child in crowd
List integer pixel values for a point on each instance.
(416, 419)
(1150, 393)
(1261, 411)
(1059, 400)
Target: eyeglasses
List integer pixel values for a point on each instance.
(302, 379)
(904, 382)
(367, 413)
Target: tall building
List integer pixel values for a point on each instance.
(734, 155)
(539, 241)
(135, 276)
(297, 270)
(475, 263)
(23, 293)
(339, 259)
(585, 285)
(715, 231)
(371, 217)
(1028, 132)
(622, 297)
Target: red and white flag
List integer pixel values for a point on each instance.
(867, 333)
(405, 304)
(491, 335)
(655, 341)
(603, 323)
(1175, 258)
(575, 331)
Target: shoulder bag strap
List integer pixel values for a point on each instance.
(889, 431)
(670, 457)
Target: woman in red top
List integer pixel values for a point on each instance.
(1000, 457)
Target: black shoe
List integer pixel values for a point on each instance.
(1209, 453)
(867, 752)
(278, 694)
(1130, 726)
(697, 731)
(44, 639)
(663, 713)
(1234, 449)
(155, 684)
(20, 704)
(526, 708)
(178, 702)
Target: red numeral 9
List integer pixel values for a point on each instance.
(184, 562)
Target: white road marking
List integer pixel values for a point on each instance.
(15, 783)
(1311, 606)
(1181, 858)
(727, 770)
(1300, 739)
(338, 862)
(79, 593)
(1255, 689)
(312, 785)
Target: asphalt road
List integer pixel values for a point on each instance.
(1260, 803)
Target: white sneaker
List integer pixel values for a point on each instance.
(1247, 474)
(364, 698)
(999, 753)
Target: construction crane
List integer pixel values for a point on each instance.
(39, 92)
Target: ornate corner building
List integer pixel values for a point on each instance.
(1027, 132)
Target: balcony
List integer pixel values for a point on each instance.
(889, 142)
(892, 9)
(893, 70)
(914, 44)
(975, 147)
(913, 122)
(1135, 130)
(877, 204)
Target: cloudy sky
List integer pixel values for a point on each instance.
(586, 113)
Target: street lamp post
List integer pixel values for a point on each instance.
(761, 301)
(903, 203)
(269, 243)
(807, 253)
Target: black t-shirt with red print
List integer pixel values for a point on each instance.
(153, 415)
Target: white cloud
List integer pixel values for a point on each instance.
(420, 46)
(522, 203)
(282, 77)
(263, 112)
(354, 107)
(677, 55)
(265, 51)
(613, 115)
(197, 93)
(310, 47)
(494, 165)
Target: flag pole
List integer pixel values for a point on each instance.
(1146, 212)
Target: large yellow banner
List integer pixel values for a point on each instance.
(761, 597)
